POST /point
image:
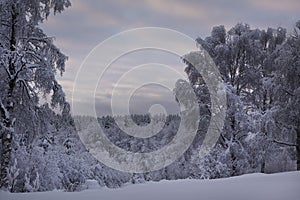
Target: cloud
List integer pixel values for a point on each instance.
(276, 5)
(173, 8)
(87, 23)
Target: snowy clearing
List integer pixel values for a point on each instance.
(281, 186)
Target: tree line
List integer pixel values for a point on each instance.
(40, 149)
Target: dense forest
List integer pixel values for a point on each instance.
(41, 150)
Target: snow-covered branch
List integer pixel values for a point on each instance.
(7, 71)
(4, 111)
(27, 88)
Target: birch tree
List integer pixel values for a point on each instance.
(28, 63)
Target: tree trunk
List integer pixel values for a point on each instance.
(7, 108)
(298, 149)
(5, 157)
(263, 166)
(7, 135)
(6, 140)
(233, 164)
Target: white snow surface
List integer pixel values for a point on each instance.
(281, 186)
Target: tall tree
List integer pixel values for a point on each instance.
(259, 65)
(28, 63)
(287, 79)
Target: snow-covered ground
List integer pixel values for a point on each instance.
(282, 186)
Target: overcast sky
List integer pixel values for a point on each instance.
(89, 22)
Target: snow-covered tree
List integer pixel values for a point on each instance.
(248, 60)
(287, 101)
(13, 174)
(28, 62)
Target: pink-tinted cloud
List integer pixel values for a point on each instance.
(89, 22)
(276, 5)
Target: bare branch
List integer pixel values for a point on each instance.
(284, 143)
(27, 88)
(32, 66)
(290, 93)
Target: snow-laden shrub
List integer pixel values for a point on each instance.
(73, 181)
